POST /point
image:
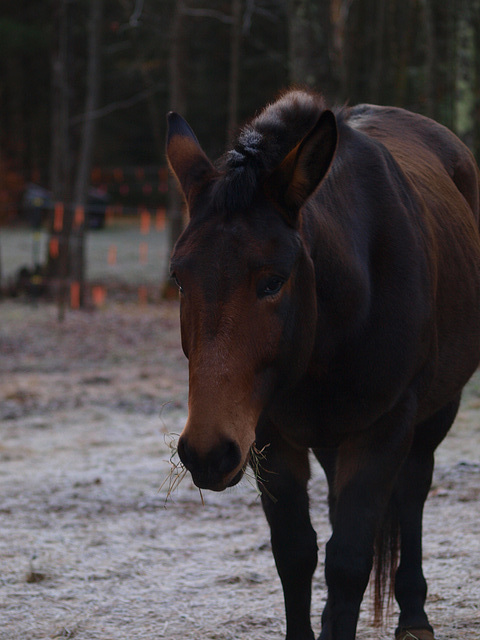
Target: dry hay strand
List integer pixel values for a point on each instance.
(254, 470)
(177, 472)
(255, 464)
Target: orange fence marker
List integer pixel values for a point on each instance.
(144, 221)
(75, 295)
(160, 219)
(58, 217)
(109, 213)
(98, 295)
(79, 217)
(143, 252)
(112, 254)
(53, 248)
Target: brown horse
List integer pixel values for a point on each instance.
(330, 300)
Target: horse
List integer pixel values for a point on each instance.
(329, 278)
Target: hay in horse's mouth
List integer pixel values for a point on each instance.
(255, 463)
(177, 472)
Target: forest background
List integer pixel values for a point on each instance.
(85, 84)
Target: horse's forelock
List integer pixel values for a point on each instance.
(262, 145)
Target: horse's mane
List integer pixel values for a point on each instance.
(261, 146)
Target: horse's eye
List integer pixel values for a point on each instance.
(272, 286)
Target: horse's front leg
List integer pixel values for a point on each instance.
(366, 468)
(282, 478)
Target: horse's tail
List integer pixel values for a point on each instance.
(386, 555)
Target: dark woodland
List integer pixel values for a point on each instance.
(85, 85)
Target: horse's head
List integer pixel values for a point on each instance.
(247, 288)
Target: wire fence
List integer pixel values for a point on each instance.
(125, 259)
(123, 245)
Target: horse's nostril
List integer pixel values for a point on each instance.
(185, 453)
(228, 457)
(210, 469)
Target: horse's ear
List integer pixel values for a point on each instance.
(302, 170)
(186, 158)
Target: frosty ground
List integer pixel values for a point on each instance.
(90, 547)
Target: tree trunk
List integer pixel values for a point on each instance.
(301, 36)
(178, 103)
(138, 44)
(377, 77)
(60, 174)
(315, 45)
(82, 178)
(234, 78)
(441, 58)
(60, 159)
(476, 88)
(339, 15)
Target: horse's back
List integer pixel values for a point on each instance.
(421, 147)
(444, 179)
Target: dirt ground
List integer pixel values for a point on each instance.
(89, 546)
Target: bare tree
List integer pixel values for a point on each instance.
(60, 158)
(67, 262)
(177, 103)
(60, 169)
(135, 21)
(234, 79)
(300, 43)
(178, 99)
(440, 20)
(315, 54)
(82, 178)
(476, 90)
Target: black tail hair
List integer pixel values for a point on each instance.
(386, 558)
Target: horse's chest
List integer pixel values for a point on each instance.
(315, 417)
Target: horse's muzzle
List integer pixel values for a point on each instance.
(213, 470)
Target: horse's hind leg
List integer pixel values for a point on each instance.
(366, 466)
(410, 493)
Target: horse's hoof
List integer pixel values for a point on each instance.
(414, 634)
